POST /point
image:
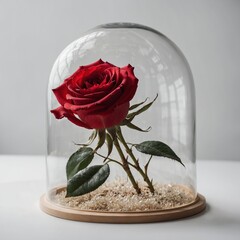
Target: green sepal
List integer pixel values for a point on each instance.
(127, 123)
(79, 160)
(87, 180)
(157, 148)
(109, 141)
(112, 133)
(101, 138)
(137, 105)
(90, 139)
(130, 116)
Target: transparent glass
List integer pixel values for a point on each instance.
(161, 69)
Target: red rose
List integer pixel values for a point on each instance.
(97, 95)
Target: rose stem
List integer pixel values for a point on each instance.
(137, 166)
(126, 166)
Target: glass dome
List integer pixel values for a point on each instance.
(164, 107)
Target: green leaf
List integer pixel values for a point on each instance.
(87, 180)
(79, 160)
(132, 126)
(130, 116)
(137, 105)
(157, 148)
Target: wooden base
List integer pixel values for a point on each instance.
(123, 217)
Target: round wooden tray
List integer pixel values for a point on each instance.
(123, 217)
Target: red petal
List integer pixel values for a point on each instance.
(107, 101)
(106, 119)
(60, 112)
(130, 84)
(61, 92)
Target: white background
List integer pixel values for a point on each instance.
(33, 33)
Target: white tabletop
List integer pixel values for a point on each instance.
(22, 182)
